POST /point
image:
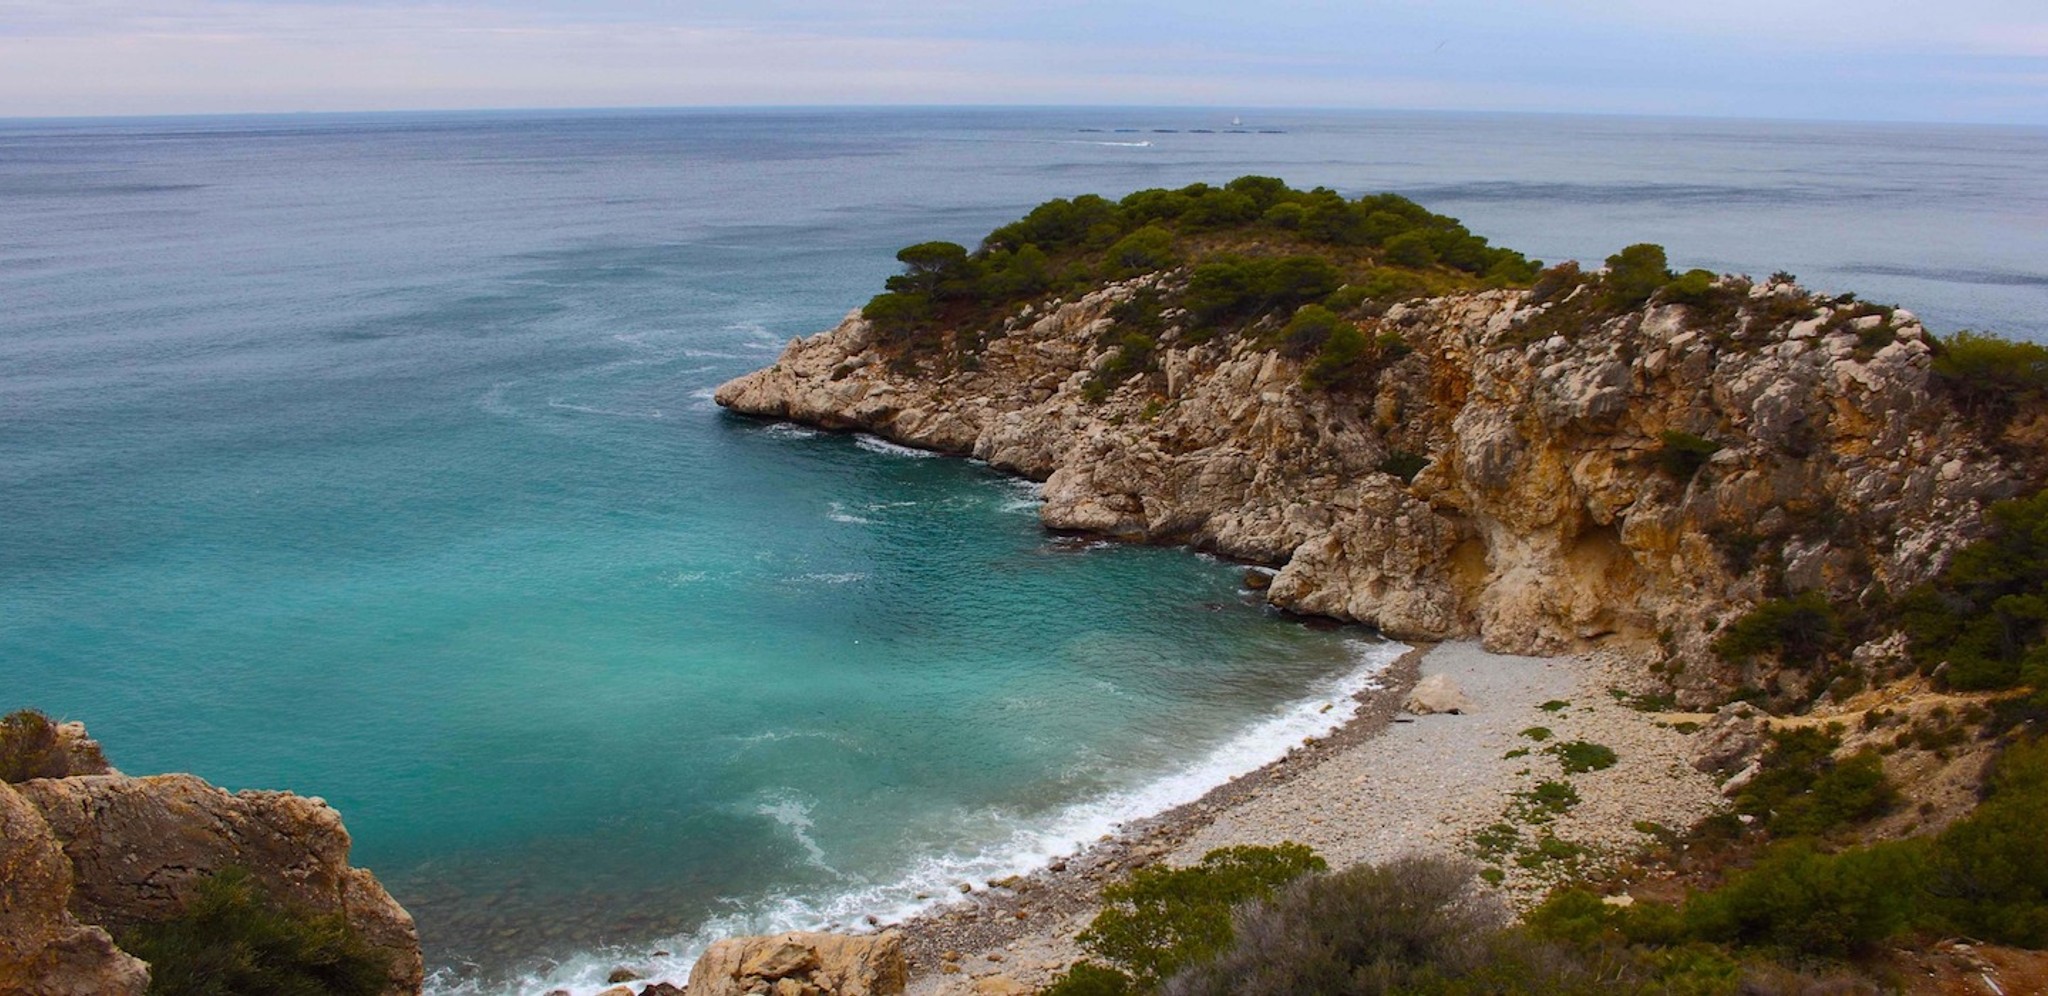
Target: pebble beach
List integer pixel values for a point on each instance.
(1385, 784)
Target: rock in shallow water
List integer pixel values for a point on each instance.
(802, 964)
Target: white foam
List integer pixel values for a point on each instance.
(876, 444)
(790, 430)
(568, 406)
(839, 513)
(1025, 848)
(848, 577)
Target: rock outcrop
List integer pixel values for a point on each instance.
(1550, 513)
(802, 964)
(87, 854)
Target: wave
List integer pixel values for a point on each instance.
(876, 444)
(646, 413)
(789, 430)
(844, 577)
(932, 880)
(839, 513)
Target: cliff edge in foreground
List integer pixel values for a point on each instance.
(1544, 466)
(88, 853)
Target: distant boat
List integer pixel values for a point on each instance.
(1166, 131)
(1234, 122)
(1201, 131)
(1127, 131)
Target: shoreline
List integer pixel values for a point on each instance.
(1047, 902)
(1380, 785)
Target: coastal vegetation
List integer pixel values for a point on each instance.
(32, 747)
(1296, 268)
(231, 939)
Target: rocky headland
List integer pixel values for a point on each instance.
(1631, 482)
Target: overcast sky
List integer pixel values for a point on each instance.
(1923, 60)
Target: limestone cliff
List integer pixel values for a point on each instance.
(1637, 477)
(96, 850)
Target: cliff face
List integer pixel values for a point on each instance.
(1557, 507)
(98, 849)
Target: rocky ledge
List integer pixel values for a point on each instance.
(1634, 479)
(85, 850)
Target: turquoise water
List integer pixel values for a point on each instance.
(372, 457)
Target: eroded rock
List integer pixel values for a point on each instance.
(802, 964)
(1437, 693)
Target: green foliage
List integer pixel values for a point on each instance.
(1992, 377)
(232, 940)
(1086, 978)
(1797, 629)
(1537, 733)
(1546, 800)
(29, 748)
(896, 311)
(1804, 901)
(1986, 615)
(1634, 274)
(929, 267)
(1363, 931)
(1143, 251)
(1162, 919)
(1989, 879)
(1683, 454)
(1555, 705)
(1133, 356)
(1580, 756)
(1403, 464)
(1412, 249)
(1801, 789)
(1311, 328)
(1344, 359)
(1232, 288)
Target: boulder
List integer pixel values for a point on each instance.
(1437, 693)
(1730, 741)
(802, 964)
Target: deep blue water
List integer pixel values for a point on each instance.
(372, 457)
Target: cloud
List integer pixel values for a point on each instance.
(1870, 58)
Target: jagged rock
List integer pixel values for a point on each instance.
(1543, 520)
(113, 851)
(44, 950)
(1730, 741)
(1437, 694)
(623, 974)
(802, 964)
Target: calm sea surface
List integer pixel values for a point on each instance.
(372, 457)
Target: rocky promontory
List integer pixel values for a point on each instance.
(1513, 463)
(87, 853)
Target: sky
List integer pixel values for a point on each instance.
(1914, 60)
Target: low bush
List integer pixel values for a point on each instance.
(1804, 901)
(1986, 616)
(1162, 919)
(233, 940)
(1797, 629)
(1581, 756)
(30, 748)
(1365, 930)
(1801, 789)
(1682, 454)
(1992, 377)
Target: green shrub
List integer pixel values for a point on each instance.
(1365, 930)
(232, 940)
(896, 311)
(1801, 900)
(1403, 464)
(1085, 978)
(1580, 756)
(1143, 251)
(1802, 789)
(1311, 327)
(1537, 733)
(1986, 615)
(1411, 249)
(1989, 877)
(1162, 919)
(1989, 376)
(1682, 454)
(1797, 629)
(30, 748)
(1634, 274)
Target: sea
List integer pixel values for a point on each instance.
(373, 457)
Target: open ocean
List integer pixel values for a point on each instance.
(372, 456)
